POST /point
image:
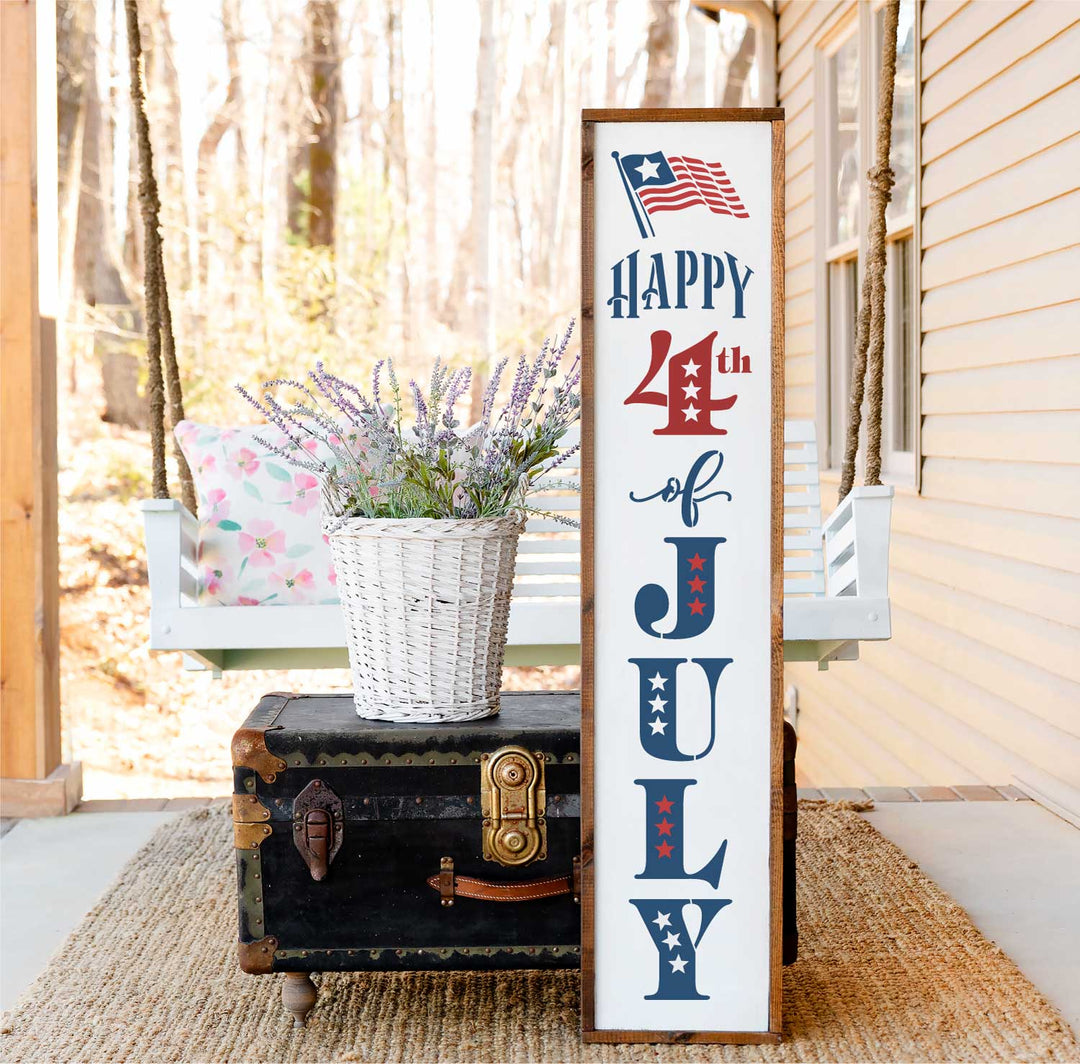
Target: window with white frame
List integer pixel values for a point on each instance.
(847, 85)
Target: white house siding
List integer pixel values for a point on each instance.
(981, 680)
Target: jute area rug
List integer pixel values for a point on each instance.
(890, 969)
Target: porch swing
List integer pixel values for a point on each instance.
(835, 572)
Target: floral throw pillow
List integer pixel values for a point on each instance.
(260, 540)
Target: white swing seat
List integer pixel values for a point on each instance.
(835, 585)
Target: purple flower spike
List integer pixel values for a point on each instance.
(370, 466)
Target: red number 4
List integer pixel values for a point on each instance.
(689, 399)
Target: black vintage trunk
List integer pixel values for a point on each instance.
(410, 797)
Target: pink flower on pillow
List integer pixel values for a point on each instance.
(241, 463)
(205, 464)
(185, 432)
(304, 492)
(219, 506)
(261, 541)
(246, 600)
(215, 577)
(331, 575)
(291, 583)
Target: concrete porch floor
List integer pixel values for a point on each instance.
(1014, 866)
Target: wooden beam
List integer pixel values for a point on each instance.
(29, 621)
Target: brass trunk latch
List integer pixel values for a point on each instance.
(318, 827)
(513, 800)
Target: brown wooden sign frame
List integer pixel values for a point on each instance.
(590, 118)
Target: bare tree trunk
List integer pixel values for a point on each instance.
(313, 200)
(397, 164)
(482, 181)
(97, 279)
(518, 120)
(134, 261)
(431, 218)
(556, 149)
(74, 36)
(163, 87)
(698, 80)
(611, 76)
(369, 150)
(325, 60)
(739, 68)
(662, 47)
(228, 117)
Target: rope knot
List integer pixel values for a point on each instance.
(881, 178)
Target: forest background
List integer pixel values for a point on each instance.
(340, 180)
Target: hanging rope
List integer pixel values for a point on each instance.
(868, 361)
(160, 341)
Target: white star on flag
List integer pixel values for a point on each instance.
(662, 920)
(691, 368)
(690, 390)
(678, 964)
(658, 681)
(658, 726)
(691, 412)
(671, 940)
(658, 704)
(649, 165)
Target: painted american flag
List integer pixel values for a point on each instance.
(657, 182)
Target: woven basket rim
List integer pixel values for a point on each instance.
(437, 527)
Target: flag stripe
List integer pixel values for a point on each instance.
(660, 207)
(690, 199)
(677, 191)
(687, 196)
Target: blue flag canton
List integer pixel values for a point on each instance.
(647, 170)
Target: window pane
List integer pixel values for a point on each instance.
(901, 309)
(844, 163)
(902, 152)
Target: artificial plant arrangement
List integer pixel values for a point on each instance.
(374, 461)
(423, 517)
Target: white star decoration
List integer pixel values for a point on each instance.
(658, 726)
(658, 681)
(649, 165)
(691, 412)
(678, 964)
(691, 368)
(691, 390)
(671, 940)
(658, 704)
(662, 920)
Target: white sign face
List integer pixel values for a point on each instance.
(684, 716)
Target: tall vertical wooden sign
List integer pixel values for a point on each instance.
(682, 286)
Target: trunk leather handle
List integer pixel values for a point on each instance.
(450, 886)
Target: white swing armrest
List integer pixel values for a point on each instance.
(857, 544)
(172, 544)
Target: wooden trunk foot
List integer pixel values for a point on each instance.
(298, 995)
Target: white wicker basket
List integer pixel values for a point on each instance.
(426, 606)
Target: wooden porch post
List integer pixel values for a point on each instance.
(33, 781)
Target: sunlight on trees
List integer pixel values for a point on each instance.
(349, 178)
